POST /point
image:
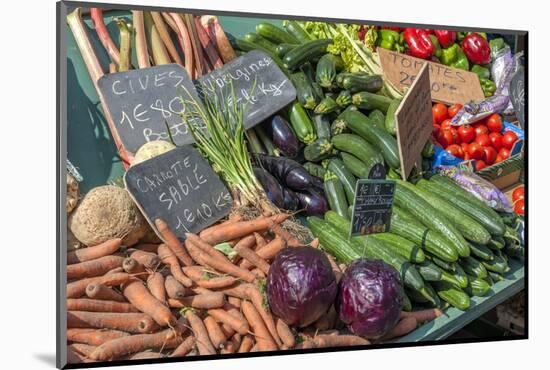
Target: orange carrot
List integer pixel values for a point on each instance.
(100, 291)
(128, 322)
(233, 344)
(404, 326)
(423, 315)
(173, 288)
(324, 341)
(200, 276)
(172, 241)
(168, 257)
(306, 344)
(115, 270)
(138, 295)
(205, 247)
(267, 252)
(260, 241)
(155, 284)
(93, 268)
(73, 357)
(243, 248)
(204, 345)
(185, 347)
(82, 349)
(145, 355)
(289, 239)
(314, 243)
(217, 337)
(93, 337)
(258, 273)
(246, 344)
(220, 233)
(146, 247)
(136, 343)
(257, 299)
(77, 289)
(95, 252)
(95, 305)
(264, 340)
(237, 324)
(286, 335)
(227, 330)
(239, 290)
(135, 268)
(199, 301)
(236, 302)
(148, 259)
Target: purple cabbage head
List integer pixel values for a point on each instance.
(301, 285)
(370, 298)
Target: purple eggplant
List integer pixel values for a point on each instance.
(291, 201)
(313, 203)
(317, 182)
(283, 137)
(271, 186)
(290, 173)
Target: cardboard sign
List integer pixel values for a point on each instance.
(413, 121)
(517, 95)
(448, 85)
(372, 207)
(180, 188)
(143, 101)
(257, 83)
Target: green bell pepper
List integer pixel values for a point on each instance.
(391, 40)
(437, 46)
(487, 86)
(482, 72)
(497, 44)
(453, 56)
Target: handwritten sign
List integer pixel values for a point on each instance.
(257, 83)
(517, 95)
(448, 85)
(143, 101)
(181, 188)
(372, 207)
(413, 120)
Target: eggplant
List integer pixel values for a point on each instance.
(283, 137)
(290, 173)
(273, 189)
(291, 201)
(313, 203)
(318, 183)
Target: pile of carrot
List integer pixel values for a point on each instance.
(177, 299)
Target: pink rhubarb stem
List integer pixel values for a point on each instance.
(185, 43)
(103, 34)
(208, 45)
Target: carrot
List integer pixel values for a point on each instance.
(423, 315)
(204, 344)
(93, 337)
(335, 268)
(148, 259)
(77, 289)
(215, 334)
(290, 239)
(100, 291)
(264, 340)
(306, 344)
(95, 252)
(199, 301)
(258, 273)
(73, 357)
(146, 247)
(267, 252)
(236, 302)
(237, 324)
(257, 299)
(243, 248)
(145, 355)
(136, 343)
(115, 270)
(185, 347)
(198, 274)
(404, 326)
(128, 322)
(155, 284)
(324, 341)
(82, 349)
(227, 267)
(135, 268)
(227, 330)
(168, 257)
(95, 305)
(286, 335)
(246, 344)
(173, 288)
(220, 233)
(205, 247)
(138, 295)
(314, 243)
(172, 241)
(260, 241)
(93, 268)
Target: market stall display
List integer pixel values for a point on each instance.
(294, 119)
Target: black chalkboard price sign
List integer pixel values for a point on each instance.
(180, 188)
(517, 95)
(372, 207)
(144, 101)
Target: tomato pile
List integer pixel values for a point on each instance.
(483, 141)
(518, 197)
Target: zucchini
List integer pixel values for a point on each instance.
(481, 251)
(429, 271)
(389, 122)
(468, 203)
(318, 150)
(259, 40)
(296, 30)
(402, 246)
(459, 281)
(468, 227)
(453, 295)
(448, 266)
(498, 264)
(368, 101)
(321, 123)
(496, 243)
(417, 297)
(339, 126)
(305, 52)
(275, 34)
(473, 267)
(301, 124)
(460, 275)
(495, 276)
(284, 48)
(266, 141)
(387, 144)
(327, 68)
(407, 305)
(477, 287)
(429, 150)
(405, 197)
(357, 167)
(327, 105)
(317, 91)
(336, 196)
(304, 91)
(356, 145)
(249, 46)
(332, 240)
(315, 169)
(336, 166)
(377, 119)
(340, 78)
(360, 81)
(344, 98)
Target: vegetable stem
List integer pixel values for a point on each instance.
(103, 34)
(165, 36)
(185, 43)
(200, 67)
(125, 45)
(155, 44)
(141, 41)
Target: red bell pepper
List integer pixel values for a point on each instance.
(445, 37)
(476, 48)
(419, 43)
(396, 29)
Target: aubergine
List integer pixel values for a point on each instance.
(274, 190)
(313, 203)
(291, 201)
(283, 137)
(288, 172)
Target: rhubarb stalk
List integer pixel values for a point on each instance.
(125, 45)
(185, 43)
(154, 42)
(165, 36)
(141, 42)
(170, 22)
(103, 34)
(225, 49)
(197, 49)
(208, 45)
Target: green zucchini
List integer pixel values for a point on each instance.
(304, 91)
(336, 166)
(468, 227)
(318, 150)
(332, 240)
(460, 275)
(389, 122)
(343, 99)
(417, 297)
(368, 101)
(453, 279)
(327, 105)
(402, 246)
(356, 145)
(429, 149)
(377, 119)
(305, 52)
(321, 123)
(429, 271)
(327, 68)
(266, 141)
(473, 267)
(317, 91)
(495, 276)
(296, 30)
(339, 80)
(496, 243)
(336, 196)
(362, 126)
(453, 295)
(284, 48)
(339, 126)
(477, 287)
(356, 166)
(498, 264)
(300, 122)
(481, 251)
(259, 40)
(249, 46)
(448, 266)
(315, 169)
(356, 82)
(275, 34)
(407, 305)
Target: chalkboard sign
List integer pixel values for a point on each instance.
(377, 172)
(517, 94)
(181, 188)
(372, 207)
(143, 101)
(257, 83)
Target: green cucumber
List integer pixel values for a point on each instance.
(321, 123)
(477, 287)
(259, 40)
(460, 275)
(327, 68)
(495, 276)
(453, 279)
(498, 264)
(332, 240)
(406, 216)
(296, 30)
(368, 101)
(249, 46)
(315, 169)
(420, 298)
(377, 119)
(305, 52)
(453, 295)
(402, 246)
(496, 243)
(275, 34)
(327, 105)
(407, 305)
(343, 99)
(489, 279)
(304, 91)
(481, 251)
(301, 123)
(356, 166)
(429, 271)
(356, 145)
(282, 49)
(473, 267)
(318, 150)
(448, 266)
(336, 166)
(336, 196)
(389, 122)
(356, 82)
(429, 150)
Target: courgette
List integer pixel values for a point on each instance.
(407, 305)
(343, 99)
(335, 194)
(305, 52)
(453, 279)
(453, 295)
(481, 251)
(327, 68)
(429, 271)
(447, 266)
(336, 166)
(304, 91)
(282, 49)
(477, 287)
(259, 40)
(356, 82)
(275, 34)
(377, 118)
(327, 105)
(339, 126)
(357, 146)
(301, 124)
(332, 241)
(315, 169)
(368, 101)
(249, 46)
(460, 275)
(356, 166)
(402, 246)
(296, 30)
(497, 243)
(389, 122)
(473, 267)
(498, 264)
(318, 150)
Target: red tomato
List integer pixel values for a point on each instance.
(446, 124)
(466, 155)
(504, 153)
(490, 155)
(435, 130)
(439, 112)
(464, 147)
(481, 129)
(456, 138)
(453, 110)
(519, 207)
(508, 139)
(496, 141)
(455, 150)
(445, 138)
(475, 151)
(466, 133)
(480, 165)
(518, 193)
(494, 123)
(483, 140)
(499, 158)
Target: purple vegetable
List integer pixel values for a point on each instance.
(283, 137)
(314, 203)
(317, 182)
(301, 285)
(370, 298)
(271, 186)
(291, 200)
(290, 173)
